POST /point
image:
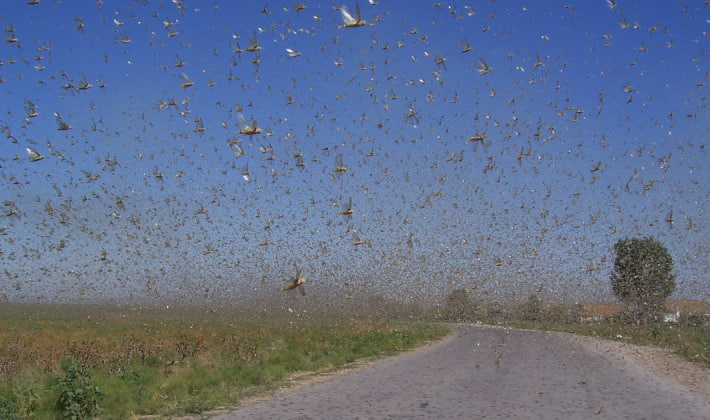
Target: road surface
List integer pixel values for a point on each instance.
(488, 372)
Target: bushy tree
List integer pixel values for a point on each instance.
(532, 309)
(458, 306)
(642, 277)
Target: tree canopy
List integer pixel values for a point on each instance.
(642, 277)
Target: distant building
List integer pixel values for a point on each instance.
(598, 312)
(683, 308)
(672, 317)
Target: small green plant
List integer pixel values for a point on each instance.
(78, 396)
(8, 409)
(19, 401)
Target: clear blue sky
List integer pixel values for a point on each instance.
(595, 122)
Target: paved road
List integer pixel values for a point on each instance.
(488, 372)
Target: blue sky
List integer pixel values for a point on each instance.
(594, 118)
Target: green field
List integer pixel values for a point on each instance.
(79, 361)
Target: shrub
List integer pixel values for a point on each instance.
(532, 310)
(458, 307)
(78, 396)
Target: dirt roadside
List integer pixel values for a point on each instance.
(662, 362)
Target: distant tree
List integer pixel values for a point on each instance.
(642, 277)
(531, 310)
(458, 306)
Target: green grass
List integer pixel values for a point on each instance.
(150, 364)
